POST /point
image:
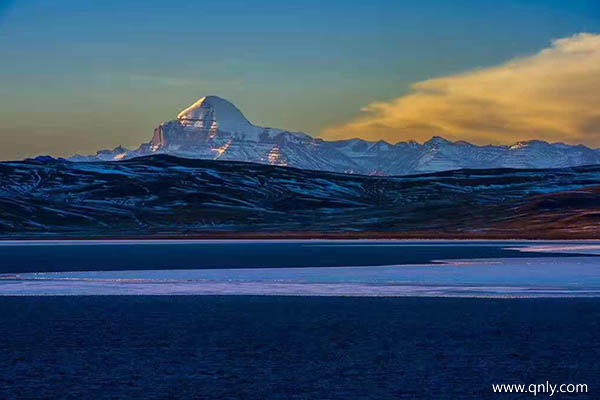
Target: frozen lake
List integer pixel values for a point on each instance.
(302, 268)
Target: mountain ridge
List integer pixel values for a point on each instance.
(213, 128)
(162, 195)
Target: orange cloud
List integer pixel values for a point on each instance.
(553, 95)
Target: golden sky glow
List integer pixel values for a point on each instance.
(553, 95)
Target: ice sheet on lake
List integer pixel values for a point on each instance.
(505, 277)
(565, 248)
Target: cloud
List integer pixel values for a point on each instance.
(553, 95)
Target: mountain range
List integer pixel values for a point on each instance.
(165, 196)
(214, 129)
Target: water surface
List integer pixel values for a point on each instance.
(269, 347)
(302, 268)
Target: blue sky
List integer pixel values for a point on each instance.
(76, 76)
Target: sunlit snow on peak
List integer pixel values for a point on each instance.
(214, 112)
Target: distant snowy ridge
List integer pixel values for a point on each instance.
(213, 128)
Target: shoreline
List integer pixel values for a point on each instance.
(285, 236)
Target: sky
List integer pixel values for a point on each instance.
(77, 76)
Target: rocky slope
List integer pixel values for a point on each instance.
(166, 196)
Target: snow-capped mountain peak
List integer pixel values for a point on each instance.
(437, 141)
(214, 112)
(213, 128)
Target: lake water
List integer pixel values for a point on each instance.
(272, 347)
(302, 268)
(296, 319)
